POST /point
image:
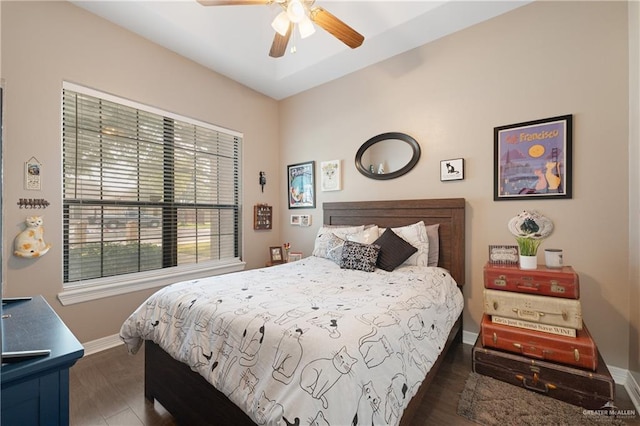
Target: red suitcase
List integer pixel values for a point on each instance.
(555, 282)
(579, 351)
(593, 390)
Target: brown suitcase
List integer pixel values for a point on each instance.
(560, 282)
(587, 389)
(579, 351)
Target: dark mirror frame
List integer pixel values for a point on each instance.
(382, 137)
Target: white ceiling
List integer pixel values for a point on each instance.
(235, 40)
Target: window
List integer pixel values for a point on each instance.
(144, 190)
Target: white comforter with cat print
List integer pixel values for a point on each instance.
(306, 341)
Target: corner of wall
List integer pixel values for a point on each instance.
(634, 186)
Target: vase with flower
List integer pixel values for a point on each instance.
(286, 247)
(530, 228)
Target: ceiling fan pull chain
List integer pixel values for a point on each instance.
(294, 40)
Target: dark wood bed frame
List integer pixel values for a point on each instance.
(194, 401)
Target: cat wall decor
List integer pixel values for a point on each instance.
(30, 242)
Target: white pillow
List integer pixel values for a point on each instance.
(367, 236)
(416, 235)
(325, 235)
(433, 232)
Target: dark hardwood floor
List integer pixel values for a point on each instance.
(107, 388)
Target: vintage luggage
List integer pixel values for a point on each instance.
(560, 282)
(579, 351)
(534, 308)
(589, 389)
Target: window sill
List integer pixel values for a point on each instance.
(123, 284)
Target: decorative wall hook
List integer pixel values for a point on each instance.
(263, 180)
(33, 203)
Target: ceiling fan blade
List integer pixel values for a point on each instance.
(279, 45)
(232, 2)
(336, 27)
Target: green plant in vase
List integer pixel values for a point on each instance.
(530, 228)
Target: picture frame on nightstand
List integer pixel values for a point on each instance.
(503, 254)
(275, 255)
(294, 256)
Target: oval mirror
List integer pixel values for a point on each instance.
(387, 156)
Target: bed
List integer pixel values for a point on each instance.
(180, 384)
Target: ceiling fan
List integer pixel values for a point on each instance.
(302, 13)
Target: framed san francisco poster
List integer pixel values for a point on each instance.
(532, 160)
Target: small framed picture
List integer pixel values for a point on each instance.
(452, 169)
(330, 176)
(503, 255)
(295, 220)
(275, 255)
(305, 220)
(295, 255)
(33, 174)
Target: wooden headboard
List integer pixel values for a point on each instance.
(448, 212)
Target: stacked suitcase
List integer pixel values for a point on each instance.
(532, 335)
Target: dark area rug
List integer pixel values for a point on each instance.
(488, 401)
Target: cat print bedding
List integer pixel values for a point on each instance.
(306, 342)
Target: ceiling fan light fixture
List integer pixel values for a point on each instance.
(281, 23)
(296, 11)
(306, 27)
(305, 15)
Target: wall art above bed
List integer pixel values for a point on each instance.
(452, 169)
(533, 159)
(301, 185)
(331, 179)
(388, 156)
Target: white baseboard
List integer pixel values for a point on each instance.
(469, 338)
(102, 344)
(633, 389)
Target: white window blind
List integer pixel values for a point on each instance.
(144, 190)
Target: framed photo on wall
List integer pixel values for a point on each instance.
(532, 160)
(32, 174)
(301, 185)
(305, 220)
(330, 176)
(452, 169)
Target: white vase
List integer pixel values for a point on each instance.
(528, 262)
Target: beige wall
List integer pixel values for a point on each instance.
(542, 60)
(44, 43)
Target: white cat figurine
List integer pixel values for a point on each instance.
(30, 242)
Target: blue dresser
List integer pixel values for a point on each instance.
(36, 391)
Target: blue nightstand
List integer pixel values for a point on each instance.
(36, 391)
